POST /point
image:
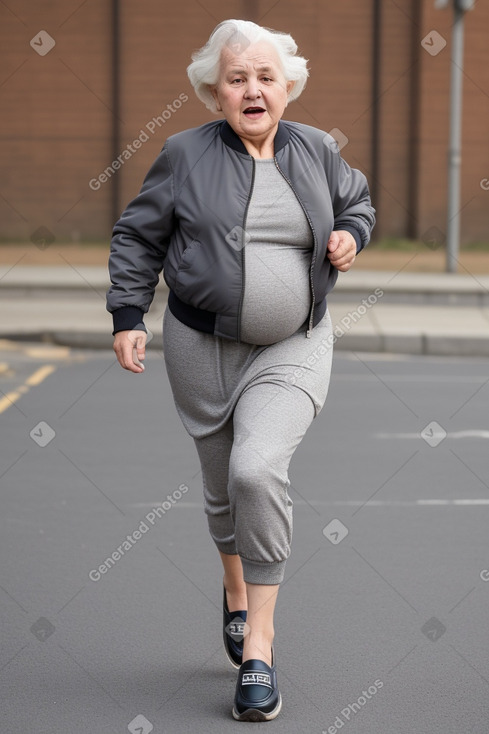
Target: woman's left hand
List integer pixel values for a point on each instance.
(342, 249)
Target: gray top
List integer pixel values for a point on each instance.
(277, 258)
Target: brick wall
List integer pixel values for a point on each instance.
(56, 130)
(55, 118)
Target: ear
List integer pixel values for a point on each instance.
(216, 98)
(289, 87)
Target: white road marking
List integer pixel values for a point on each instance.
(458, 379)
(473, 433)
(343, 503)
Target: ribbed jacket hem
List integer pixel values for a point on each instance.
(196, 318)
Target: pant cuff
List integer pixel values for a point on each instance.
(263, 573)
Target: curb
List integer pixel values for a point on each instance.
(397, 287)
(409, 344)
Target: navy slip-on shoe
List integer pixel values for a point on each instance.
(257, 696)
(233, 633)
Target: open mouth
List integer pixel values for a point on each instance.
(254, 112)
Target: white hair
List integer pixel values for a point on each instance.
(203, 72)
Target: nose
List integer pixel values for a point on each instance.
(252, 89)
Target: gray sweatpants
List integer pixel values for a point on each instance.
(247, 408)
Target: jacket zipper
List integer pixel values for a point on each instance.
(243, 245)
(314, 252)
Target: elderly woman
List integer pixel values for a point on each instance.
(251, 218)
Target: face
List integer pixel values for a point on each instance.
(252, 90)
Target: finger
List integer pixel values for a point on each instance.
(333, 242)
(347, 247)
(136, 360)
(345, 263)
(346, 266)
(141, 346)
(343, 253)
(137, 341)
(339, 254)
(131, 361)
(124, 351)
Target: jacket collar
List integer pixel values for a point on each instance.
(233, 140)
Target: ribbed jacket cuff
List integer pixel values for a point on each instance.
(127, 318)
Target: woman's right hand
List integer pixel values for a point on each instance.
(130, 348)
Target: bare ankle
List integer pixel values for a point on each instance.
(258, 647)
(234, 586)
(235, 595)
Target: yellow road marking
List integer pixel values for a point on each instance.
(8, 400)
(48, 352)
(9, 345)
(40, 374)
(36, 351)
(35, 379)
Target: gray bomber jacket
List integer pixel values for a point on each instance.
(189, 220)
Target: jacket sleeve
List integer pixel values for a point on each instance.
(352, 207)
(139, 245)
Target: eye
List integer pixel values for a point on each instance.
(233, 81)
(267, 79)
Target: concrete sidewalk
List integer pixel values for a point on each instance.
(376, 311)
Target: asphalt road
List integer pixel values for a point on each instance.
(382, 620)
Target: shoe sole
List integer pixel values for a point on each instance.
(235, 665)
(257, 715)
